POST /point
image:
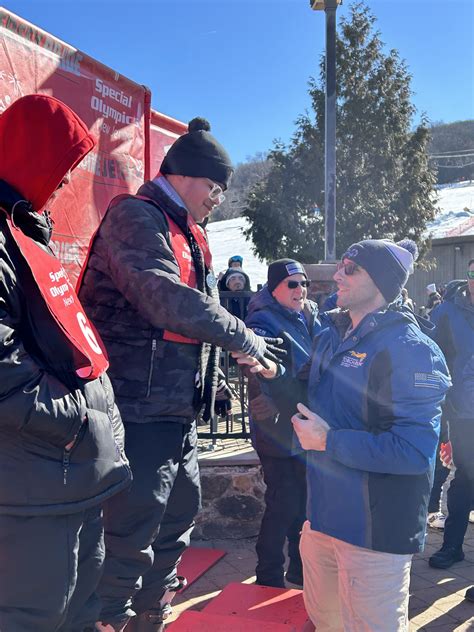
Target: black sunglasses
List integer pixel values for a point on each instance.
(292, 285)
(349, 268)
(470, 274)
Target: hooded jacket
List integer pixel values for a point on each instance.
(454, 321)
(132, 291)
(44, 405)
(380, 389)
(273, 433)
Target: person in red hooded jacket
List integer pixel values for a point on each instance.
(61, 443)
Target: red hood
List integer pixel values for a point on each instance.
(41, 138)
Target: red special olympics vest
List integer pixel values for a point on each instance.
(63, 304)
(182, 254)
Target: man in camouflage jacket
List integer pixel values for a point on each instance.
(150, 290)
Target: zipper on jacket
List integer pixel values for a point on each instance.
(110, 413)
(67, 453)
(150, 372)
(66, 456)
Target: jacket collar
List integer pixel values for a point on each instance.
(177, 212)
(340, 322)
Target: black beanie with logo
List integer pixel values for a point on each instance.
(198, 154)
(281, 269)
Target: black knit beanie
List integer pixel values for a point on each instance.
(199, 155)
(281, 269)
(387, 263)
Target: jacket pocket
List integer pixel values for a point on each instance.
(68, 453)
(55, 476)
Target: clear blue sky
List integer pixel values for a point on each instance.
(244, 64)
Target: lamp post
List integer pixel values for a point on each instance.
(329, 7)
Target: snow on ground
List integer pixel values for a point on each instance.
(456, 210)
(226, 240)
(455, 217)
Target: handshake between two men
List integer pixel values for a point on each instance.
(310, 428)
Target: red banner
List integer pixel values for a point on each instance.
(117, 111)
(164, 130)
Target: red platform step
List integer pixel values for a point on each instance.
(196, 561)
(260, 603)
(192, 621)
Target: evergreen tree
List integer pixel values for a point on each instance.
(384, 181)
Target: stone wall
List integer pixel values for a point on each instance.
(232, 502)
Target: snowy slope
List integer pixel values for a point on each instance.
(226, 239)
(455, 217)
(456, 211)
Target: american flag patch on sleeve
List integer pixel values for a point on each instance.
(427, 380)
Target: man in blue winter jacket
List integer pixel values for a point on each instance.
(375, 390)
(281, 309)
(454, 320)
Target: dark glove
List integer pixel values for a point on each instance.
(262, 348)
(222, 408)
(222, 405)
(223, 391)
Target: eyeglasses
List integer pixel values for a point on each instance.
(470, 274)
(216, 194)
(292, 285)
(349, 268)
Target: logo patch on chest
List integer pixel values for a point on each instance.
(353, 359)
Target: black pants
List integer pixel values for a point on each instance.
(440, 476)
(148, 526)
(285, 512)
(49, 569)
(461, 490)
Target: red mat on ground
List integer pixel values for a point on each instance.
(192, 621)
(263, 603)
(196, 561)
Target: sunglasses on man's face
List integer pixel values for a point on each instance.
(349, 268)
(292, 285)
(470, 274)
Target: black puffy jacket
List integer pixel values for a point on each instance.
(131, 291)
(44, 405)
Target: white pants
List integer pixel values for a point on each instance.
(352, 589)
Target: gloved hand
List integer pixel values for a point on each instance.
(263, 348)
(446, 454)
(222, 408)
(222, 405)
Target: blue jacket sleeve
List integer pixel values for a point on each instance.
(419, 380)
(468, 381)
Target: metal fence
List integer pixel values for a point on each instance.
(235, 425)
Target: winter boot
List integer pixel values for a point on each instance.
(153, 620)
(294, 574)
